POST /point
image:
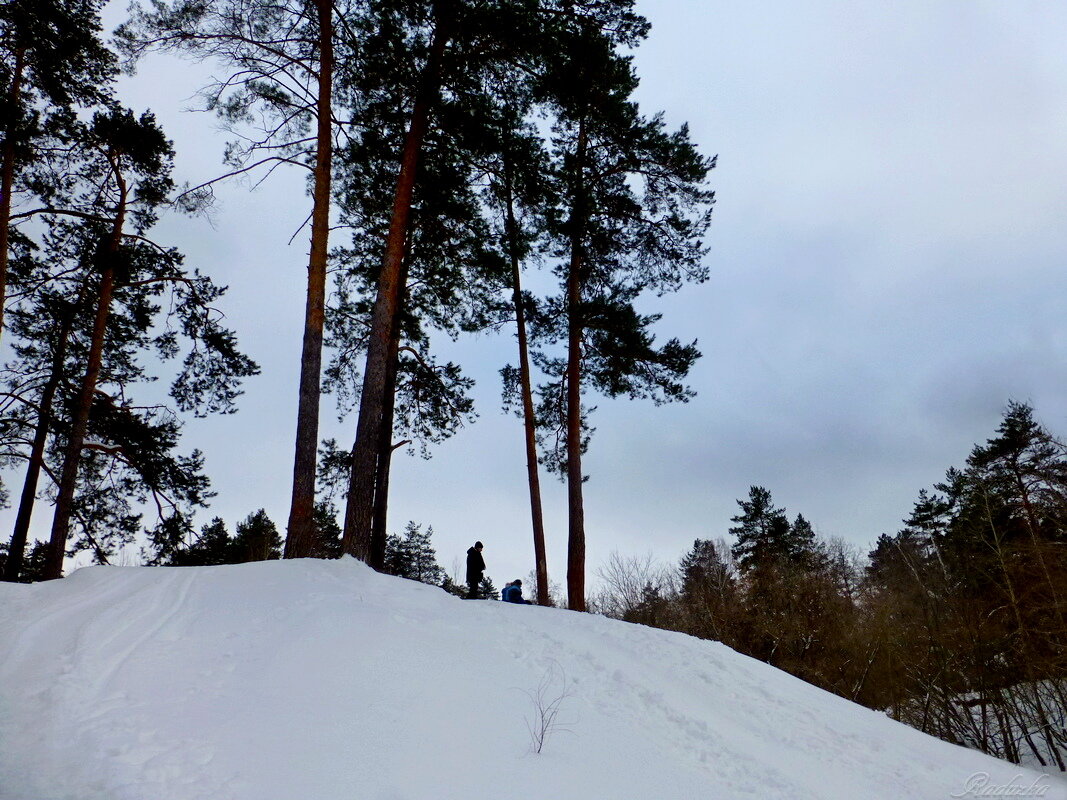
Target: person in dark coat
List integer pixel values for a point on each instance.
(475, 570)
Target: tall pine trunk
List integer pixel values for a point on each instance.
(17, 549)
(380, 518)
(300, 531)
(359, 511)
(529, 422)
(380, 515)
(72, 456)
(575, 503)
(7, 179)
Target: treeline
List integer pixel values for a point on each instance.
(956, 624)
(450, 145)
(255, 538)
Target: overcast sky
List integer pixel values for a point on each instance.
(887, 264)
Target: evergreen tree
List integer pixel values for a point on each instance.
(1005, 539)
(704, 573)
(913, 554)
(424, 402)
(424, 566)
(453, 588)
(32, 566)
(967, 597)
(284, 57)
(520, 193)
(257, 539)
(632, 208)
(44, 332)
(709, 594)
(132, 159)
(445, 48)
(1026, 467)
(327, 531)
(96, 312)
(763, 532)
(419, 49)
(486, 590)
(411, 555)
(52, 63)
(397, 556)
(213, 546)
(896, 561)
(652, 609)
(801, 538)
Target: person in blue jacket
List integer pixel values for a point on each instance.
(513, 593)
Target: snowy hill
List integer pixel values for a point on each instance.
(324, 680)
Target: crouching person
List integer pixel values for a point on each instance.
(513, 593)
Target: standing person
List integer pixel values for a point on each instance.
(475, 570)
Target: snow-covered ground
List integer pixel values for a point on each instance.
(322, 680)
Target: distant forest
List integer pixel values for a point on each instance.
(956, 624)
(450, 147)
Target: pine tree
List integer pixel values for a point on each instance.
(453, 588)
(487, 591)
(447, 47)
(423, 402)
(520, 193)
(32, 566)
(257, 539)
(704, 573)
(967, 597)
(212, 547)
(709, 594)
(801, 543)
(391, 281)
(52, 63)
(130, 159)
(411, 555)
(397, 560)
(1027, 467)
(284, 62)
(897, 561)
(652, 609)
(46, 332)
(424, 566)
(1008, 529)
(327, 531)
(632, 208)
(95, 311)
(763, 532)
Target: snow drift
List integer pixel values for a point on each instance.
(325, 680)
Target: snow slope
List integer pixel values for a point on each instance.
(324, 680)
